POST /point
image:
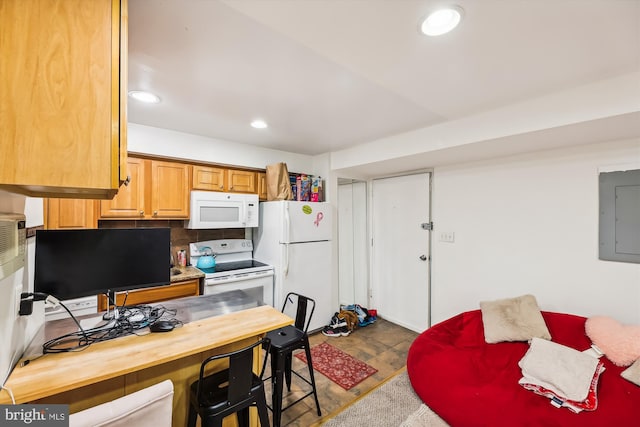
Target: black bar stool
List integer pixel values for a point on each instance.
(283, 342)
(232, 390)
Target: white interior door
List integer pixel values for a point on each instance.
(353, 244)
(346, 290)
(400, 250)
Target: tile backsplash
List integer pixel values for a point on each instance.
(180, 236)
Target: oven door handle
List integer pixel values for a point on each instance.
(238, 278)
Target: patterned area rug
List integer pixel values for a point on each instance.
(338, 366)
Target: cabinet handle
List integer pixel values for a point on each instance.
(231, 188)
(127, 181)
(155, 213)
(141, 213)
(221, 186)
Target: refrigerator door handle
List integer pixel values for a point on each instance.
(287, 226)
(285, 270)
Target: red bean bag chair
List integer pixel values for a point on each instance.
(468, 382)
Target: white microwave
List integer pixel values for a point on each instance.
(210, 209)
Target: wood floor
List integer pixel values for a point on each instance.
(382, 345)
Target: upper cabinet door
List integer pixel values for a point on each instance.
(68, 214)
(170, 184)
(208, 178)
(241, 181)
(63, 102)
(130, 200)
(157, 190)
(262, 185)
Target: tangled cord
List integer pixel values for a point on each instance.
(129, 320)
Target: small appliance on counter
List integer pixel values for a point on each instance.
(233, 268)
(207, 259)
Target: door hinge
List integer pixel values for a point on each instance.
(427, 225)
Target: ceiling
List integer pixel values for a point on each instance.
(333, 74)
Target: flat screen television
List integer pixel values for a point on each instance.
(78, 263)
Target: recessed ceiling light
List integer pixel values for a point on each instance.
(441, 21)
(143, 96)
(259, 124)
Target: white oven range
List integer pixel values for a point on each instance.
(235, 269)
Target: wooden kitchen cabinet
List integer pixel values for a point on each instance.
(157, 190)
(170, 184)
(221, 179)
(208, 178)
(65, 214)
(130, 200)
(188, 288)
(262, 185)
(64, 96)
(239, 181)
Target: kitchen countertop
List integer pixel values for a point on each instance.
(187, 310)
(109, 369)
(186, 273)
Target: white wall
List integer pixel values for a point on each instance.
(179, 145)
(606, 98)
(529, 224)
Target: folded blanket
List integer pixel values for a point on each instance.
(589, 404)
(561, 369)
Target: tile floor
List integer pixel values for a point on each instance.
(382, 345)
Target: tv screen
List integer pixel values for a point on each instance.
(77, 263)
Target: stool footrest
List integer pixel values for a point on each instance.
(292, 403)
(303, 379)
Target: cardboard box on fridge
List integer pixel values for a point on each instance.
(304, 188)
(315, 189)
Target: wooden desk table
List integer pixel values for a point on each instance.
(108, 370)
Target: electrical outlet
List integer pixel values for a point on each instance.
(447, 236)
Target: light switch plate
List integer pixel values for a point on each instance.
(447, 236)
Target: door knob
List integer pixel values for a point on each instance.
(423, 257)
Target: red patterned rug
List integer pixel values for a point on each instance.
(338, 366)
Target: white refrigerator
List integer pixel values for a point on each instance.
(295, 237)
